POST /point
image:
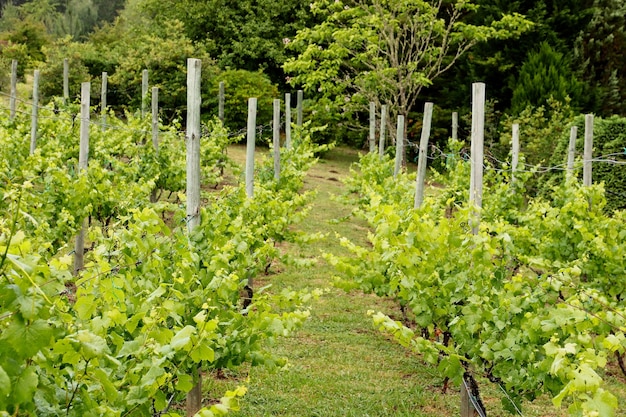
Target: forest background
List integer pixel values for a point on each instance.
(544, 62)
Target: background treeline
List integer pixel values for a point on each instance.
(564, 59)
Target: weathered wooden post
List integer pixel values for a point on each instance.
(194, 66)
(103, 100)
(372, 136)
(514, 149)
(276, 139)
(588, 150)
(66, 81)
(83, 158)
(250, 144)
(399, 145)
(144, 93)
(288, 120)
(155, 119)
(383, 127)
(477, 157)
(300, 104)
(571, 152)
(13, 98)
(35, 113)
(455, 125)
(423, 160)
(221, 99)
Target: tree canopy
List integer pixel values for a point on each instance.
(343, 53)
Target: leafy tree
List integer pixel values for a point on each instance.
(497, 61)
(245, 34)
(600, 50)
(384, 51)
(546, 74)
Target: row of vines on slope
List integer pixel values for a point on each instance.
(534, 302)
(153, 304)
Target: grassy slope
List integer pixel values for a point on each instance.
(339, 364)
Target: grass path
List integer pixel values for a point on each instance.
(339, 365)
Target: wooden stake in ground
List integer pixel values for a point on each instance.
(372, 137)
(221, 98)
(83, 157)
(13, 97)
(276, 139)
(478, 139)
(35, 113)
(144, 93)
(103, 100)
(514, 150)
(383, 126)
(588, 150)
(399, 145)
(300, 107)
(571, 151)
(194, 397)
(155, 119)
(250, 143)
(66, 81)
(288, 120)
(455, 125)
(423, 160)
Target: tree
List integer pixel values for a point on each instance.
(546, 74)
(244, 34)
(385, 51)
(497, 61)
(600, 49)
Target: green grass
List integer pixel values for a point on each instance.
(339, 365)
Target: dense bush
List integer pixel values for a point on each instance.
(609, 144)
(239, 86)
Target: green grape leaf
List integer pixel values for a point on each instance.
(28, 339)
(85, 306)
(25, 385)
(104, 380)
(184, 383)
(203, 353)
(5, 383)
(182, 338)
(91, 344)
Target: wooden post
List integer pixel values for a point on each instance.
(455, 125)
(514, 150)
(467, 408)
(251, 138)
(144, 93)
(571, 152)
(276, 141)
(300, 109)
(66, 81)
(221, 98)
(372, 137)
(423, 160)
(103, 100)
(399, 145)
(588, 151)
(83, 158)
(35, 114)
(383, 126)
(155, 119)
(478, 138)
(194, 67)
(288, 120)
(13, 98)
